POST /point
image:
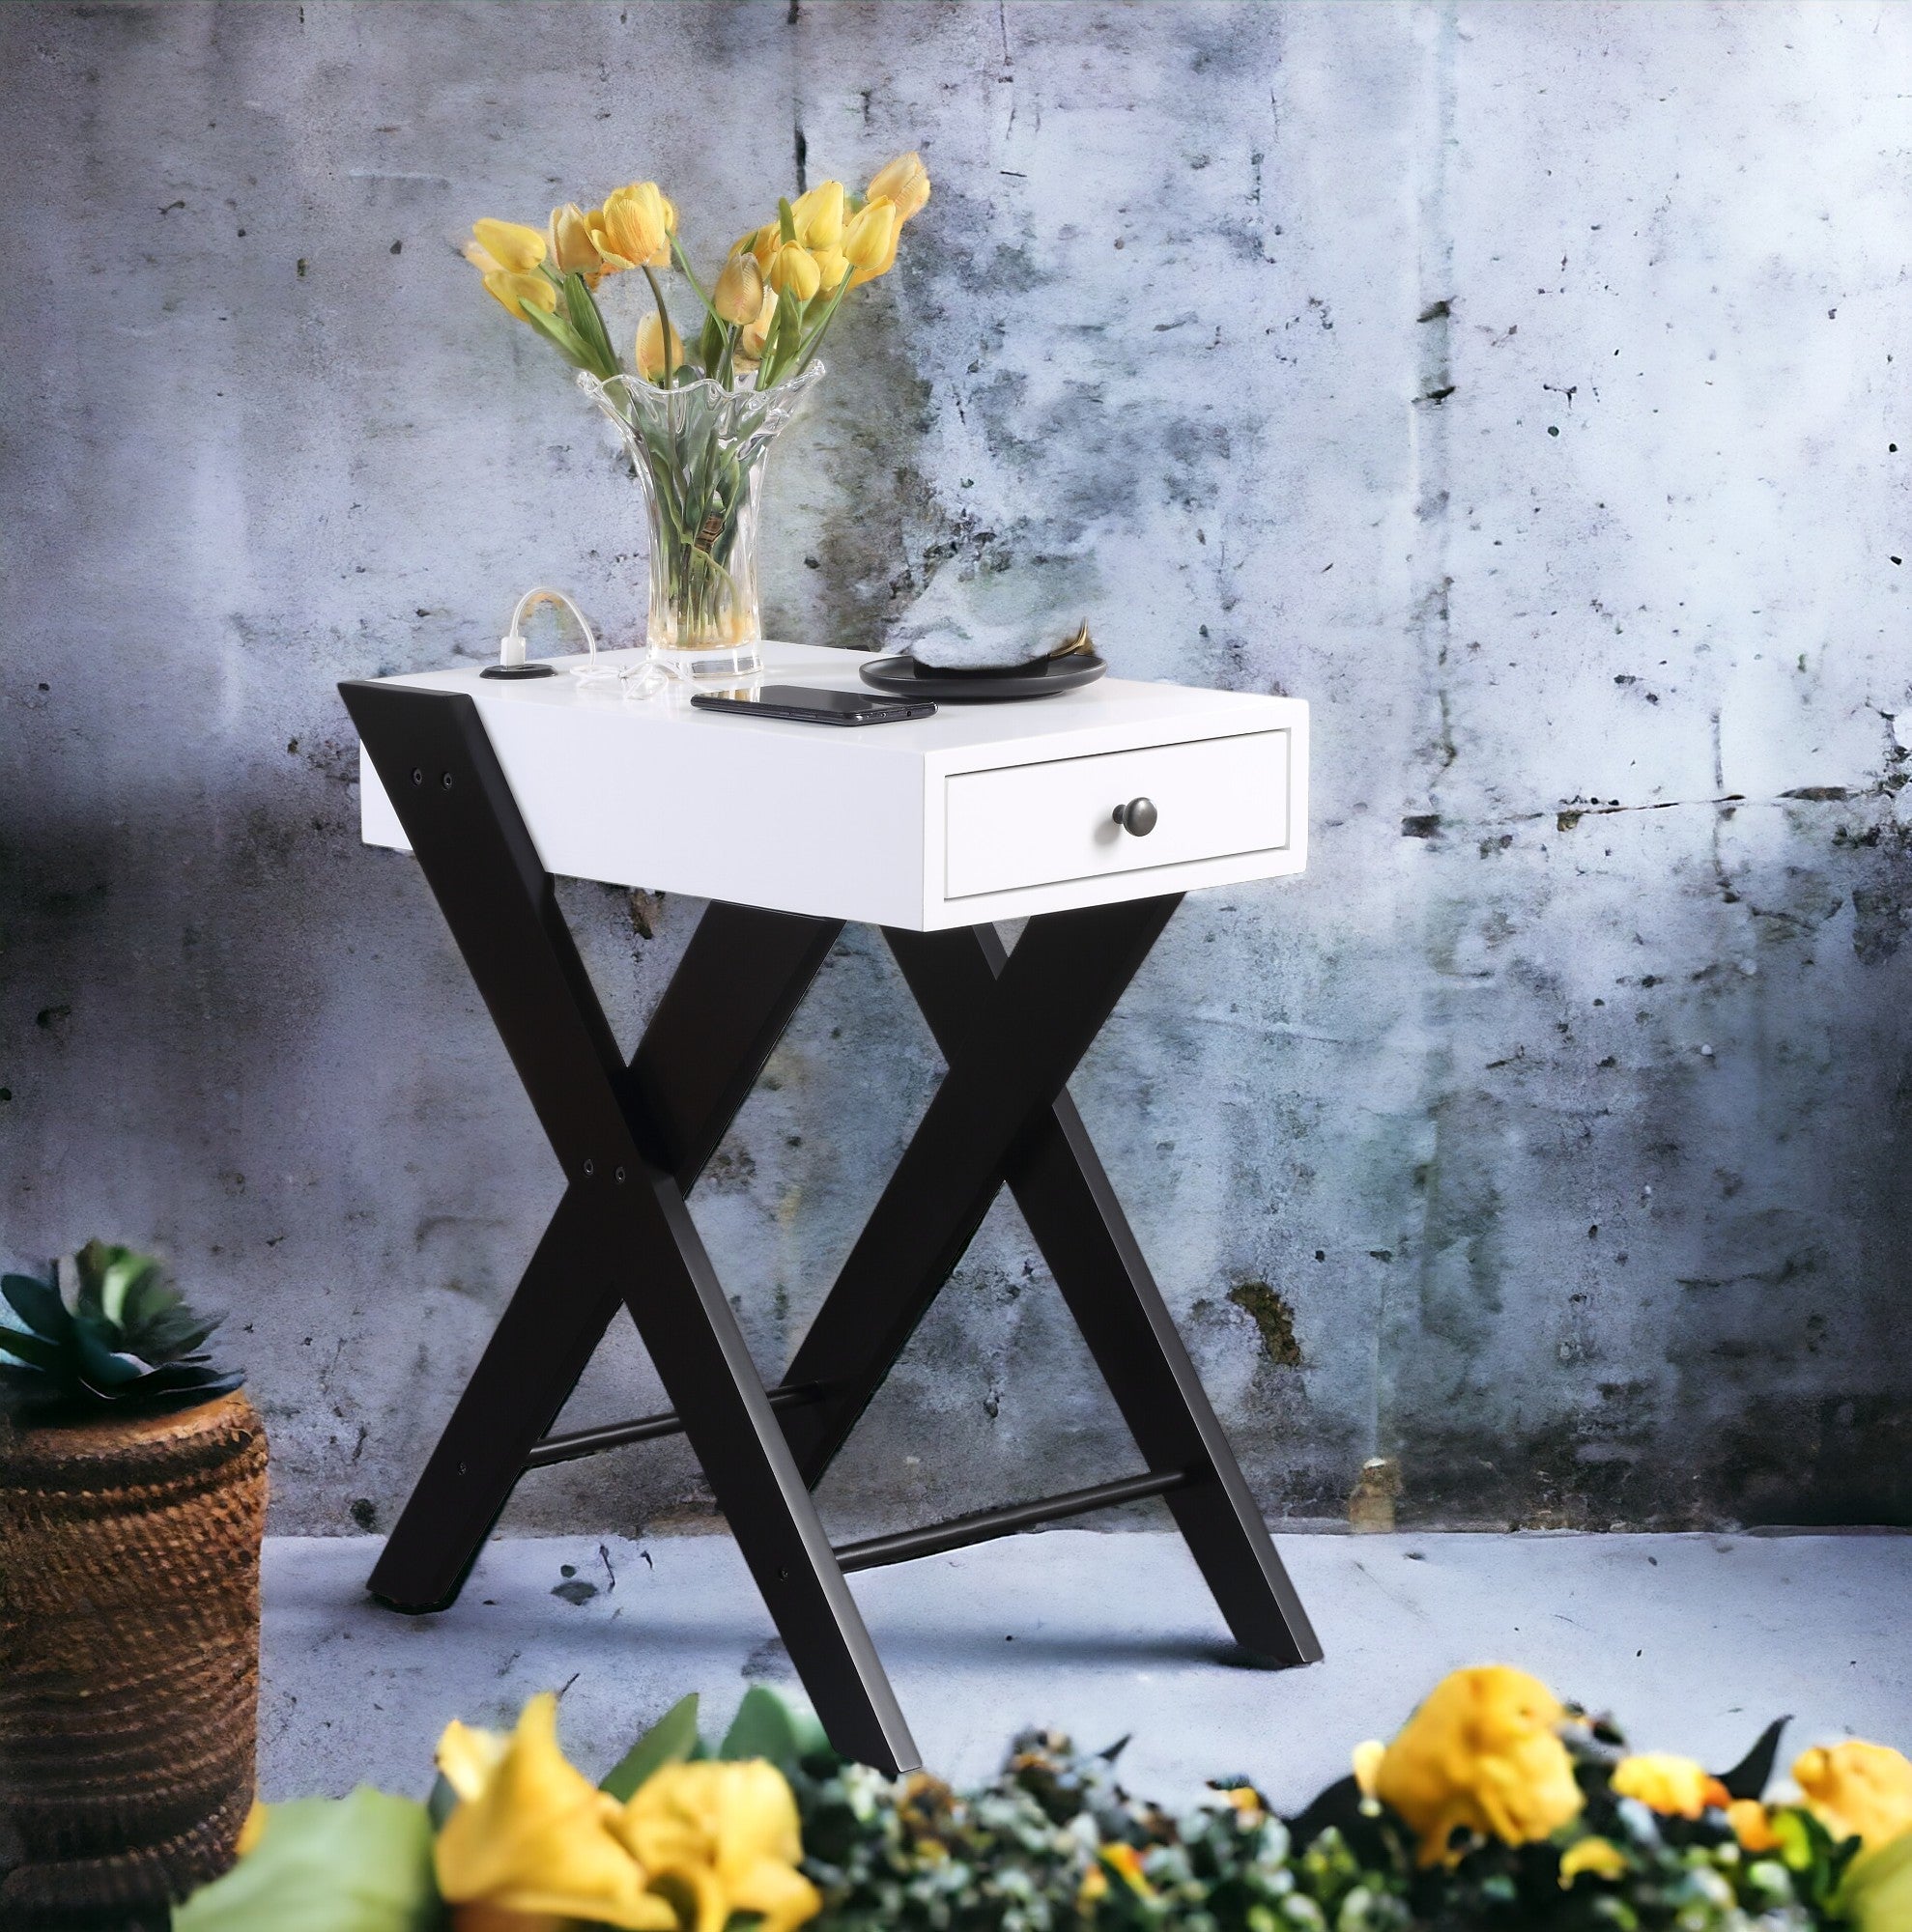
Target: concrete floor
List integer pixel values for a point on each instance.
(1694, 1641)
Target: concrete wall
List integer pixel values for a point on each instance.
(1517, 384)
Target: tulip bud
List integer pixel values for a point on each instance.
(756, 337)
(650, 352)
(870, 241)
(511, 245)
(568, 239)
(793, 272)
(516, 291)
(904, 181)
(832, 266)
(739, 291)
(819, 216)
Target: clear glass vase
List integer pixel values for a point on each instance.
(697, 450)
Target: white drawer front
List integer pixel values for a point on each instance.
(1040, 825)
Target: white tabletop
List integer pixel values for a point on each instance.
(858, 822)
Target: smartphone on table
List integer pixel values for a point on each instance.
(805, 704)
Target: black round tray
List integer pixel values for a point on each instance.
(905, 677)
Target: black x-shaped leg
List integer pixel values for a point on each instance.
(633, 1138)
(1012, 1029)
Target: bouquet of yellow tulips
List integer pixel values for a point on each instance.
(1495, 1809)
(697, 420)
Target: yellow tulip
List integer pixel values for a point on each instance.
(819, 216)
(532, 1834)
(1751, 1826)
(568, 239)
(1367, 1762)
(832, 266)
(793, 272)
(650, 357)
(1858, 1790)
(728, 1835)
(869, 240)
(1598, 1855)
(756, 337)
(515, 291)
(1674, 1786)
(739, 291)
(506, 245)
(634, 227)
(1480, 1755)
(762, 242)
(253, 1830)
(906, 181)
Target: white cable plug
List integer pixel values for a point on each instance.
(512, 646)
(644, 680)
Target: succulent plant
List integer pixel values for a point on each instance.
(109, 1332)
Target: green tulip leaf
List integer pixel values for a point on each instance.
(559, 334)
(669, 1741)
(362, 1864)
(766, 1726)
(1876, 1895)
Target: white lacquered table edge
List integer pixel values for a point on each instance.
(846, 823)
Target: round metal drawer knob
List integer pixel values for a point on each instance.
(1138, 817)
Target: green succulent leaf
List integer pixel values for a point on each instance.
(35, 1350)
(670, 1741)
(120, 1333)
(39, 1305)
(362, 1864)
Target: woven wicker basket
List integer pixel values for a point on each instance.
(129, 1660)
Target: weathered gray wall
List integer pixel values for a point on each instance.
(1515, 383)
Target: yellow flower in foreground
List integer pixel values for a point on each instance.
(1480, 1755)
(253, 1830)
(649, 357)
(738, 295)
(793, 272)
(870, 241)
(1674, 1786)
(819, 216)
(507, 245)
(518, 292)
(1751, 1826)
(1367, 1760)
(634, 227)
(728, 1834)
(1858, 1790)
(1598, 1855)
(532, 1834)
(1126, 1861)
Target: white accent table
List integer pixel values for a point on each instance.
(932, 828)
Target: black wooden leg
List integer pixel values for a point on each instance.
(542, 1343)
(1072, 1212)
(1016, 1050)
(742, 976)
(624, 1218)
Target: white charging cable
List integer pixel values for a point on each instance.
(635, 681)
